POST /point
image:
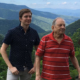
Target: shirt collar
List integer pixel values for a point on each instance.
(52, 37)
(21, 28)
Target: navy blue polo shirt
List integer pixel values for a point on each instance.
(21, 46)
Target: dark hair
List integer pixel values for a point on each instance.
(22, 11)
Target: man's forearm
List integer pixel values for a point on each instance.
(37, 66)
(5, 57)
(75, 63)
(35, 56)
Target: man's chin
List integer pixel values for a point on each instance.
(61, 33)
(27, 24)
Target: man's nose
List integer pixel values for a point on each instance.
(28, 18)
(62, 26)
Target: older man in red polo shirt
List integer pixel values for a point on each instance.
(56, 48)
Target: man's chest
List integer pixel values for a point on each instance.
(23, 39)
(53, 48)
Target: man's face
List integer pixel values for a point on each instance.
(26, 19)
(59, 26)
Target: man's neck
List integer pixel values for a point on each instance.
(25, 27)
(58, 36)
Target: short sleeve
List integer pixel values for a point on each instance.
(72, 51)
(41, 48)
(8, 38)
(37, 39)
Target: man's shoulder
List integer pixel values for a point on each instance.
(13, 29)
(46, 37)
(33, 29)
(17, 27)
(68, 38)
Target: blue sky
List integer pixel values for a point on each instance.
(63, 4)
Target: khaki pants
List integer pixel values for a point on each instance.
(21, 76)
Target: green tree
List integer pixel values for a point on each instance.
(1, 39)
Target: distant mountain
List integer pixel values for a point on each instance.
(70, 29)
(39, 18)
(1, 18)
(73, 27)
(45, 33)
(67, 12)
(1, 39)
(5, 25)
(12, 6)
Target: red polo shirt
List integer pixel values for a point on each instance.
(55, 57)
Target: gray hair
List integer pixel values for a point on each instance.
(54, 21)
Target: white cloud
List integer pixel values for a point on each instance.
(75, 3)
(48, 3)
(64, 3)
(34, 3)
(44, 0)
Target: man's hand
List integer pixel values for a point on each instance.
(79, 76)
(14, 70)
(38, 77)
(32, 71)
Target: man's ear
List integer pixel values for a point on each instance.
(19, 19)
(52, 27)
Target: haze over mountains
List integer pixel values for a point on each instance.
(5, 25)
(41, 21)
(67, 12)
(39, 18)
(73, 27)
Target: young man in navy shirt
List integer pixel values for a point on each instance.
(21, 40)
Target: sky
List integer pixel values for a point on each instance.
(61, 4)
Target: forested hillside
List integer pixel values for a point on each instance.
(73, 71)
(1, 39)
(70, 29)
(5, 25)
(41, 21)
(40, 18)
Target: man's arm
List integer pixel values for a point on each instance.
(38, 77)
(35, 56)
(5, 57)
(75, 63)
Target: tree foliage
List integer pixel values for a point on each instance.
(72, 27)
